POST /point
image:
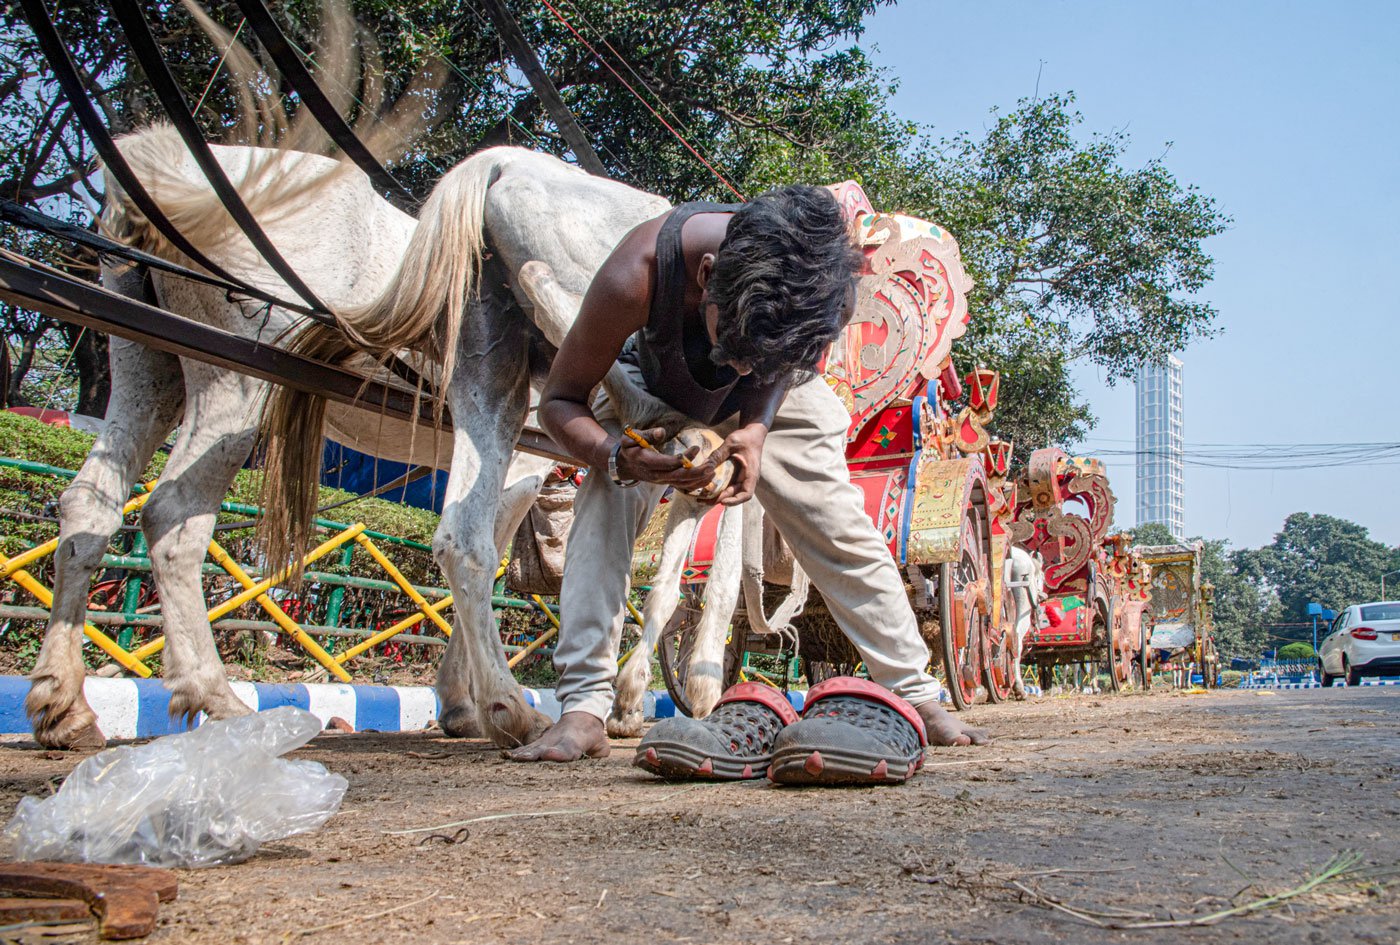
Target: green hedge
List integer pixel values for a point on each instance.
(24, 438)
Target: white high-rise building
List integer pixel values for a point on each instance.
(1159, 447)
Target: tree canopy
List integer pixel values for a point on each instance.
(1076, 255)
(1261, 594)
(1322, 559)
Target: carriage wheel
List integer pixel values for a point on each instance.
(678, 641)
(818, 671)
(962, 622)
(1111, 659)
(1000, 668)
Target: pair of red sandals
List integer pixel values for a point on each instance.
(851, 731)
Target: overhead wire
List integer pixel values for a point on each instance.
(618, 162)
(639, 97)
(603, 39)
(1267, 457)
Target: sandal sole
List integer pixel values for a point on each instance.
(829, 765)
(679, 761)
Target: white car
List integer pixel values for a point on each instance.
(1364, 641)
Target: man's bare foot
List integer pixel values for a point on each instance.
(944, 729)
(575, 735)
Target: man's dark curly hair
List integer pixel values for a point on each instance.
(784, 281)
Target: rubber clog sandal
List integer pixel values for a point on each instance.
(851, 732)
(732, 743)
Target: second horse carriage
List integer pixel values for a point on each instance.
(934, 481)
(1097, 587)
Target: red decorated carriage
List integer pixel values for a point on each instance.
(1097, 590)
(934, 482)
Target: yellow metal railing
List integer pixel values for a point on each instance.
(258, 591)
(254, 591)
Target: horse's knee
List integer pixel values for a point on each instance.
(87, 530)
(466, 555)
(160, 519)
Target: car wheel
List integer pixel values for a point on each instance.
(1353, 675)
(1327, 678)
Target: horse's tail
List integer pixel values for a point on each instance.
(293, 428)
(289, 166)
(421, 309)
(422, 305)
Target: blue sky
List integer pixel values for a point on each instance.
(1286, 113)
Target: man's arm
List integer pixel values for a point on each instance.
(614, 308)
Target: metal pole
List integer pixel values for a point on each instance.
(1383, 577)
(529, 63)
(1312, 672)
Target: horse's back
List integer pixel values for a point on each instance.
(540, 208)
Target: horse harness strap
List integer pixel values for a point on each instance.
(147, 51)
(315, 100)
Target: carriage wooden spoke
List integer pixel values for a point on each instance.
(965, 610)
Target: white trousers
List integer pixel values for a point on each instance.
(806, 490)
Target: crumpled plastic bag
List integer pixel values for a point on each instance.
(200, 798)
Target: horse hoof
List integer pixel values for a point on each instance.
(514, 724)
(459, 722)
(75, 736)
(627, 725)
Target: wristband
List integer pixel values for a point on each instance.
(612, 468)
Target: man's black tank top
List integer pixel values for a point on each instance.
(660, 349)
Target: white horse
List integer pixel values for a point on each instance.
(345, 241)
(506, 246)
(1024, 573)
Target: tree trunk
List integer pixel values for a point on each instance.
(29, 340)
(94, 370)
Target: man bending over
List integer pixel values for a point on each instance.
(723, 312)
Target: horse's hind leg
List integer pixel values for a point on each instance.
(524, 478)
(146, 397)
(215, 439)
(488, 393)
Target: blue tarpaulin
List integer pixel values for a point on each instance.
(344, 468)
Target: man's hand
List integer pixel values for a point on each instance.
(745, 448)
(638, 462)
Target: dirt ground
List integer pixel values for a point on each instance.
(1162, 805)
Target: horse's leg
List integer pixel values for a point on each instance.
(1018, 635)
(704, 682)
(145, 403)
(524, 478)
(215, 439)
(488, 394)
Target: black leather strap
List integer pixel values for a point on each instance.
(313, 99)
(51, 44)
(30, 219)
(148, 54)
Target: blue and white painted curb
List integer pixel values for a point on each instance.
(1315, 684)
(140, 708)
